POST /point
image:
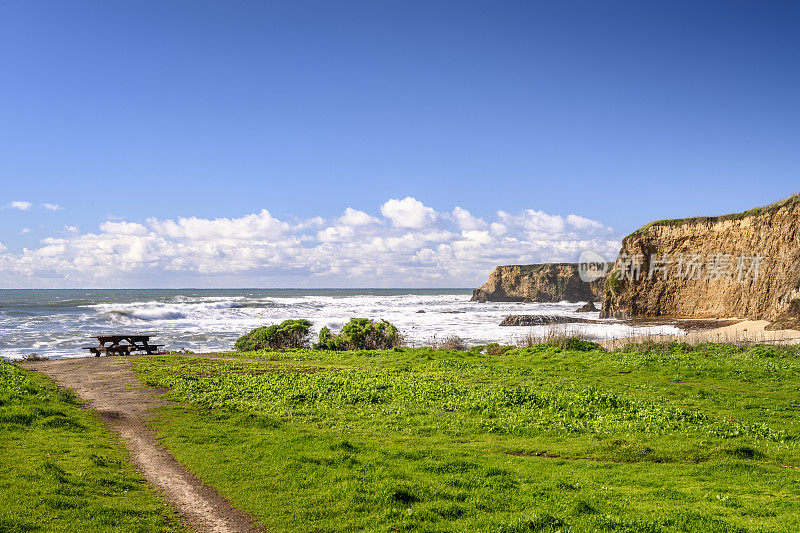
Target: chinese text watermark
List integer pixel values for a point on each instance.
(692, 267)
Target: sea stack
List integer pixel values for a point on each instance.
(547, 282)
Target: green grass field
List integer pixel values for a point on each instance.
(539, 439)
(61, 470)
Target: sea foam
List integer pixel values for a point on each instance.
(59, 323)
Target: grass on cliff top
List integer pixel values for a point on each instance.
(674, 438)
(61, 470)
(539, 266)
(732, 216)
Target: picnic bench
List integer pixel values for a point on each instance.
(122, 345)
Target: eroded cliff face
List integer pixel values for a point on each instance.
(549, 282)
(745, 265)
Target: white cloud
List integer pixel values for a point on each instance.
(354, 217)
(335, 234)
(410, 245)
(249, 227)
(123, 228)
(52, 207)
(481, 237)
(535, 222)
(19, 204)
(408, 213)
(466, 221)
(23, 231)
(583, 223)
(497, 229)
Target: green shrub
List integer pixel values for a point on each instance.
(287, 334)
(576, 344)
(497, 349)
(491, 349)
(573, 344)
(614, 283)
(326, 338)
(360, 334)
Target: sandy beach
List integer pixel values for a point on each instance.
(740, 332)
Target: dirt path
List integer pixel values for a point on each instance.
(111, 388)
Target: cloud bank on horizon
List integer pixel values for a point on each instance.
(408, 245)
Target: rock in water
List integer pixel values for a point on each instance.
(542, 320)
(548, 282)
(588, 308)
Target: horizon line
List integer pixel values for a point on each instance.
(232, 288)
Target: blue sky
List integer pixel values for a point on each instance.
(519, 113)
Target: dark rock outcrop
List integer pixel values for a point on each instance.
(543, 320)
(789, 319)
(587, 308)
(548, 282)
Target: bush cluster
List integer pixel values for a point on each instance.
(360, 334)
(287, 334)
(368, 334)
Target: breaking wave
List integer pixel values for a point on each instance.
(58, 323)
(142, 315)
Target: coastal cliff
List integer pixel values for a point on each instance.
(548, 282)
(743, 265)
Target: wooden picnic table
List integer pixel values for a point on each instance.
(122, 345)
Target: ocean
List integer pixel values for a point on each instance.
(57, 323)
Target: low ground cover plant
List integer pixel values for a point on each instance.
(539, 438)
